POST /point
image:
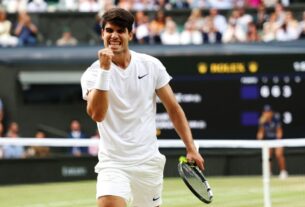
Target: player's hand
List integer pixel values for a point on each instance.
(105, 57)
(195, 157)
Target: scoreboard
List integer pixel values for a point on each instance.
(223, 96)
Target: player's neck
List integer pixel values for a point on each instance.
(122, 60)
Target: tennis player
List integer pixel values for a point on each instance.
(270, 128)
(121, 89)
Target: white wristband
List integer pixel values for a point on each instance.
(103, 80)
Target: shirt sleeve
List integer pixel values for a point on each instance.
(163, 77)
(88, 80)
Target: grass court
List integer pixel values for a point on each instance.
(228, 192)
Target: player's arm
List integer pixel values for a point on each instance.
(260, 133)
(180, 123)
(279, 132)
(98, 100)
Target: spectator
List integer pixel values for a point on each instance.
(76, 133)
(244, 19)
(289, 30)
(219, 21)
(88, 6)
(210, 32)
(221, 4)
(13, 151)
(68, 5)
(179, 4)
(280, 13)
(37, 6)
(270, 128)
(6, 39)
(26, 30)
(252, 34)
(156, 26)
(190, 35)
(200, 4)
(170, 35)
(66, 39)
(13, 6)
(38, 151)
(261, 17)
(195, 20)
(270, 3)
(270, 28)
(302, 27)
(234, 32)
(141, 29)
(125, 4)
(93, 150)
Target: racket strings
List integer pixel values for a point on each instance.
(198, 184)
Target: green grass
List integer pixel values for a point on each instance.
(228, 192)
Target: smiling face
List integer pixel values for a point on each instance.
(116, 38)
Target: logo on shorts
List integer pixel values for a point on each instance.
(155, 199)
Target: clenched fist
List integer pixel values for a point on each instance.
(105, 56)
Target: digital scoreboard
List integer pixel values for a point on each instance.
(223, 96)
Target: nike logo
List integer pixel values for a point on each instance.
(140, 77)
(154, 199)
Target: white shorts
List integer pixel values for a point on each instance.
(141, 185)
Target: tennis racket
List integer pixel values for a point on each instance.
(195, 180)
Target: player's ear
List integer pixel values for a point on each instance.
(130, 36)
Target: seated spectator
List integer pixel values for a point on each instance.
(37, 6)
(190, 35)
(13, 151)
(25, 30)
(6, 39)
(67, 39)
(199, 4)
(234, 32)
(302, 27)
(195, 20)
(270, 28)
(156, 26)
(210, 32)
(68, 5)
(76, 133)
(93, 150)
(88, 6)
(179, 4)
(125, 4)
(289, 30)
(260, 17)
(280, 13)
(252, 34)
(170, 35)
(244, 19)
(38, 151)
(219, 21)
(141, 29)
(221, 4)
(14, 6)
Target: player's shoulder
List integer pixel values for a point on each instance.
(145, 58)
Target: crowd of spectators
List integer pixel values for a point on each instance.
(22, 152)
(278, 24)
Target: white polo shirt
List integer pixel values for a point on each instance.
(128, 132)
